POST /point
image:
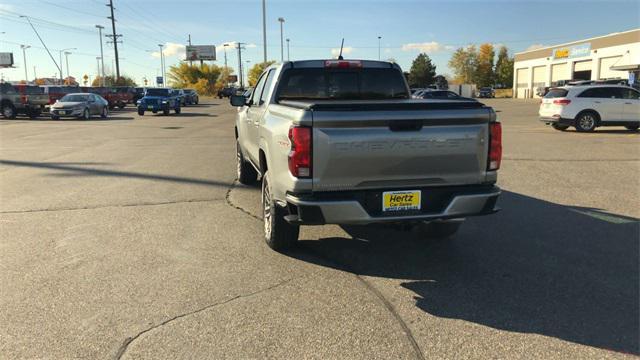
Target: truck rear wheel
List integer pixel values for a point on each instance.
(247, 175)
(278, 233)
(9, 111)
(440, 229)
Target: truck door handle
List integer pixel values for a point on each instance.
(597, 102)
(628, 103)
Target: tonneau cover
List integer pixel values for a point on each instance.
(381, 105)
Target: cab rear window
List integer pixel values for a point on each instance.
(342, 84)
(556, 93)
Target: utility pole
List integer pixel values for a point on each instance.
(288, 54)
(264, 29)
(114, 37)
(281, 20)
(379, 37)
(101, 55)
(224, 46)
(66, 57)
(35, 76)
(239, 47)
(24, 57)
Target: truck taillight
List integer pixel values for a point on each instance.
(495, 146)
(300, 154)
(24, 99)
(561, 102)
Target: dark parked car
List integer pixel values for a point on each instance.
(138, 93)
(440, 94)
(486, 92)
(158, 99)
(79, 105)
(180, 95)
(191, 96)
(226, 92)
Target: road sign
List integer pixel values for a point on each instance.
(85, 77)
(200, 52)
(146, 82)
(159, 80)
(6, 59)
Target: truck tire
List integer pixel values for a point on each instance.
(278, 233)
(247, 175)
(166, 111)
(440, 229)
(140, 112)
(122, 105)
(9, 111)
(178, 110)
(633, 127)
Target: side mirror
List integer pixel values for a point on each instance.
(238, 100)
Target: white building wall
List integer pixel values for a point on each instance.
(628, 53)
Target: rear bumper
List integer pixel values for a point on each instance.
(359, 207)
(556, 120)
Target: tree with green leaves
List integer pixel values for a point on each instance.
(504, 68)
(464, 63)
(257, 70)
(422, 72)
(110, 81)
(484, 75)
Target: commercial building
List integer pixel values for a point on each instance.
(613, 56)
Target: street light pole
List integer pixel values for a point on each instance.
(288, 53)
(60, 53)
(24, 57)
(101, 55)
(224, 46)
(379, 37)
(164, 81)
(264, 30)
(66, 57)
(281, 20)
(98, 58)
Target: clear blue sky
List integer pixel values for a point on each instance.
(314, 26)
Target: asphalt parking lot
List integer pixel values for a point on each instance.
(128, 238)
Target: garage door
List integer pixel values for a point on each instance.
(521, 82)
(560, 72)
(582, 66)
(539, 77)
(606, 72)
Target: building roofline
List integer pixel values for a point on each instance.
(577, 42)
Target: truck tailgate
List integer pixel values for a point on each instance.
(392, 148)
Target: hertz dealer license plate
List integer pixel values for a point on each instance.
(401, 200)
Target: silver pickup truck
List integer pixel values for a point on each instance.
(342, 142)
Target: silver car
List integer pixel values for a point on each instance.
(81, 106)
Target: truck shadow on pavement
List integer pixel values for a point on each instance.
(536, 267)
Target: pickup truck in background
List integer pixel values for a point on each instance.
(29, 100)
(342, 142)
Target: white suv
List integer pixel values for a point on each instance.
(587, 107)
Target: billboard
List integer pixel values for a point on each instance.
(201, 52)
(6, 59)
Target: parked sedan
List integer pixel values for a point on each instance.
(80, 105)
(180, 95)
(440, 94)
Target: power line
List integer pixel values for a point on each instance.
(72, 9)
(155, 27)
